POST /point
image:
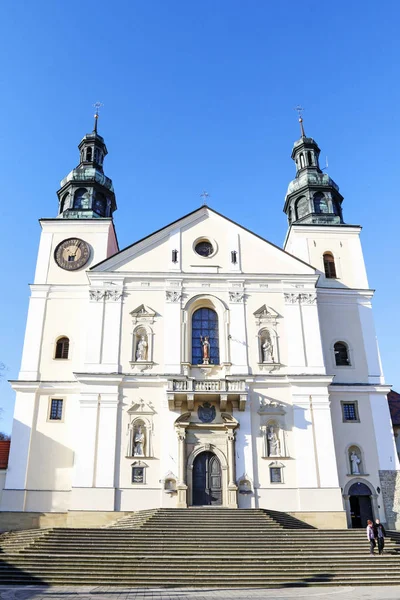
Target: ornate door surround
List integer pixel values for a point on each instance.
(198, 436)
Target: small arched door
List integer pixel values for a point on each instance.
(360, 505)
(207, 480)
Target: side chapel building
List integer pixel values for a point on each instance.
(202, 365)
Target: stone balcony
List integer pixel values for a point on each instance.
(222, 390)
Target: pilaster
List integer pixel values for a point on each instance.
(34, 333)
(85, 442)
(19, 451)
(106, 439)
(237, 331)
(172, 321)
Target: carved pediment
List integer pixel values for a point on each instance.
(141, 408)
(143, 314)
(269, 406)
(265, 314)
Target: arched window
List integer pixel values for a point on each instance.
(63, 203)
(309, 158)
(329, 266)
(81, 198)
(205, 331)
(62, 348)
(301, 207)
(301, 161)
(89, 154)
(341, 354)
(320, 203)
(100, 204)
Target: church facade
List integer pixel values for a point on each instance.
(202, 365)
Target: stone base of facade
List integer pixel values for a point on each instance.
(322, 520)
(390, 482)
(15, 521)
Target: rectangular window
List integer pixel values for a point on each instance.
(350, 411)
(275, 474)
(137, 474)
(234, 257)
(174, 256)
(56, 409)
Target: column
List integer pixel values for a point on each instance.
(237, 332)
(244, 441)
(33, 333)
(18, 462)
(182, 487)
(232, 487)
(172, 331)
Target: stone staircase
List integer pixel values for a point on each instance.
(199, 547)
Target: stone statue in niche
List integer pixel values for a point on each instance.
(355, 461)
(139, 440)
(141, 349)
(273, 442)
(206, 349)
(267, 349)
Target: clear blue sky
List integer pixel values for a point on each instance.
(198, 95)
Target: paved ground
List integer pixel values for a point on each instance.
(112, 593)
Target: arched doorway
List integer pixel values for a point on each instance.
(360, 504)
(207, 480)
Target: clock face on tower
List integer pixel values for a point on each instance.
(72, 254)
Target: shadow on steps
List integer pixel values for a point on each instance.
(286, 520)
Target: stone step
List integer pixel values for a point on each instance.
(200, 581)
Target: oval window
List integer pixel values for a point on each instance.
(204, 248)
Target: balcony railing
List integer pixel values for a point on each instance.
(216, 385)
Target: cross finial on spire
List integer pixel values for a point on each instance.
(300, 111)
(205, 196)
(96, 105)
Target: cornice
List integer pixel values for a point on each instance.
(19, 385)
(360, 388)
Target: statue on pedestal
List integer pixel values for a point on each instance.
(138, 442)
(273, 442)
(141, 349)
(267, 351)
(355, 461)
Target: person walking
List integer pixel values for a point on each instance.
(381, 534)
(371, 537)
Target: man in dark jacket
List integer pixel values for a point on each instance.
(380, 534)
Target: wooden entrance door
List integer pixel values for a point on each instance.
(207, 480)
(360, 505)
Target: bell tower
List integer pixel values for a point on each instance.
(82, 234)
(312, 197)
(86, 193)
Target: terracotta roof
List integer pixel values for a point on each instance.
(394, 406)
(4, 452)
